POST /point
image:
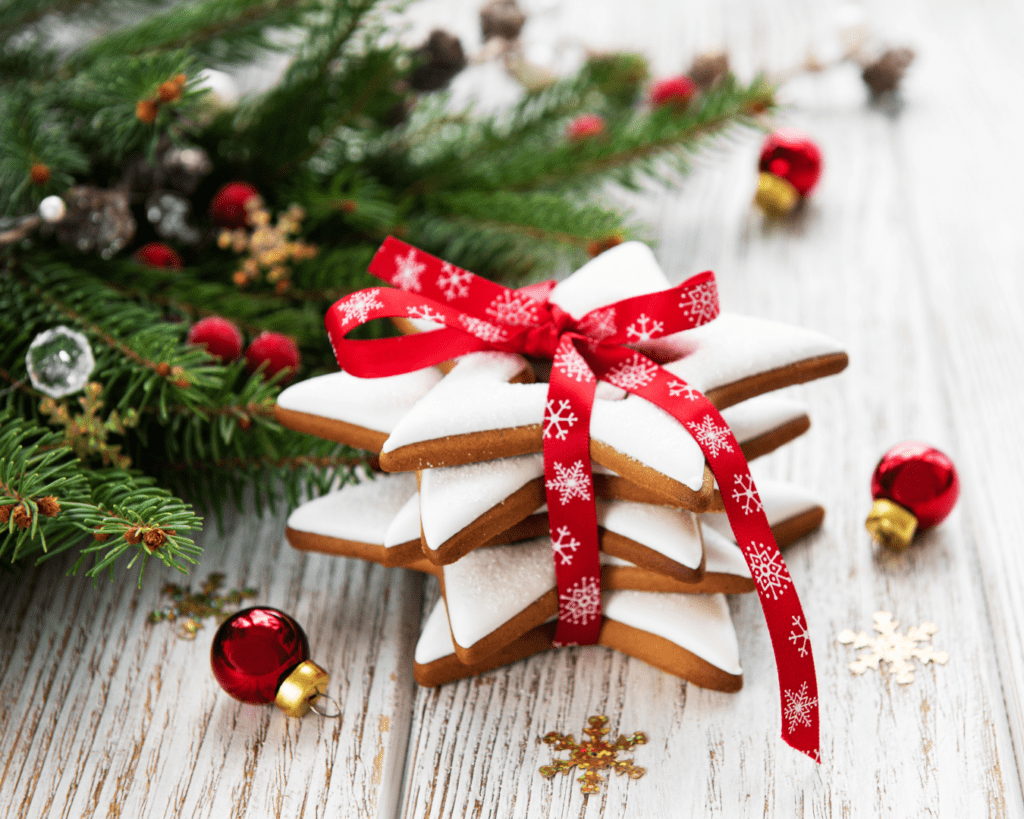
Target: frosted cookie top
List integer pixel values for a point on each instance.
(361, 513)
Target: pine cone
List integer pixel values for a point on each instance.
(97, 221)
(154, 539)
(885, 73)
(5, 513)
(48, 507)
(21, 517)
(708, 69)
(440, 58)
(501, 18)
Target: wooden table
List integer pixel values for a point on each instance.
(910, 252)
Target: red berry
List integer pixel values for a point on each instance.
(221, 338)
(792, 155)
(584, 127)
(278, 351)
(158, 255)
(673, 91)
(228, 206)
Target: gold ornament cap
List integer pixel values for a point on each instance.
(891, 525)
(775, 195)
(300, 688)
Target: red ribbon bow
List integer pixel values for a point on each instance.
(582, 351)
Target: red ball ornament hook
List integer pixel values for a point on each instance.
(790, 164)
(261, 655)
(915, 487)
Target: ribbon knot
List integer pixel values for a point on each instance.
(479, 315)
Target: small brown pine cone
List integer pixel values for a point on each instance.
(708, 69)
(48, 506)
(100, 537)
(40, 174)
(133, 536)
(501, 18)
(146, 111)
(439, 59)
(886, 73)
(154, 539)
(168, 91)
(21, 517)
(599, 246)
(163, 369)
(5, 512)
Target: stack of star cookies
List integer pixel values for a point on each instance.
(463, 492)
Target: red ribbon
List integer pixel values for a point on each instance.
(478, 315)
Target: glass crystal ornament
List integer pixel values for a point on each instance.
(59, 361)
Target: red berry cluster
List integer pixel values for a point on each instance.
(223, 340)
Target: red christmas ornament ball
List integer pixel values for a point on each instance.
(254, 650)
(791, 155)
(584, 127)
(919, 478)
(221, 338)
(278, 351)
(158, 255)
(673, 91)
(227, 208)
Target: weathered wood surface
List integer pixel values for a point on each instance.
(910, 253)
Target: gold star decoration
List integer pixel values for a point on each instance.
(898, 650)
(192, 607)
(270, 247)
(593, 754)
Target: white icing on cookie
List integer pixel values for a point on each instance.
(406, 525)
(374, 403)
(361, 513)
(624, 271)
(722, 555)
(672, 532)
(436, 638)
(700, 623)
(754, 417)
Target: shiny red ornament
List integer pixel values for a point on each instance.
(253, 652)
(676, 91)
(791, 155)
(915, 487)
(278, 351)
(228, 207)
(158, 255)
(584, 127)
(221, 338)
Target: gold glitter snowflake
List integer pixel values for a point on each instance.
(270, 247)
(191, 607)
(593, 754)
(898, 650)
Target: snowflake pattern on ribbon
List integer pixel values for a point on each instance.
(701, 303)
(563, 544)
(677, 388)
(799, 636)
(407, 272)
(571, 364)
(710, 436)
(483, 329)
(425, 313)
(799, 708)
(515, 309)
(570, 482)
(644, 328)
(357, 307)
(770, 573)
(582, 602)
(599, 325)
(745, 493)
(454, 282)
(559, 420)
(633, 374)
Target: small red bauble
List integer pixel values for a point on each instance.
(791, 155)
(158, 255)
(915, 487)
(673, 91)
(227, 208)
(221, 338)
(584, 127)
(278, 351)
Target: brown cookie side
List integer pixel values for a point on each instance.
(645, 557)
(468, 448)
(330, 429)
(798, 372)
(400, 555)
(535, 525)
(449, 669)
(653, 482)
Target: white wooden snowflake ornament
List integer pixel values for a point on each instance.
(898, 650)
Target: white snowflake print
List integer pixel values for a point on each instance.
(558, 420)
(677, 388)
(799, 708)
(571, 364)
(357, 307)
(570, 482)
(745, 493)
(564, 545)
(710, 436)
(799, 636)
(483, 329)
(898, 650)
(701, 303)
(770, 573)
(634, 374)
(454, 282)
(425, 312)
(515, 309)
(407, 272)
(599, 324)
(582, 603)
(644, 328)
